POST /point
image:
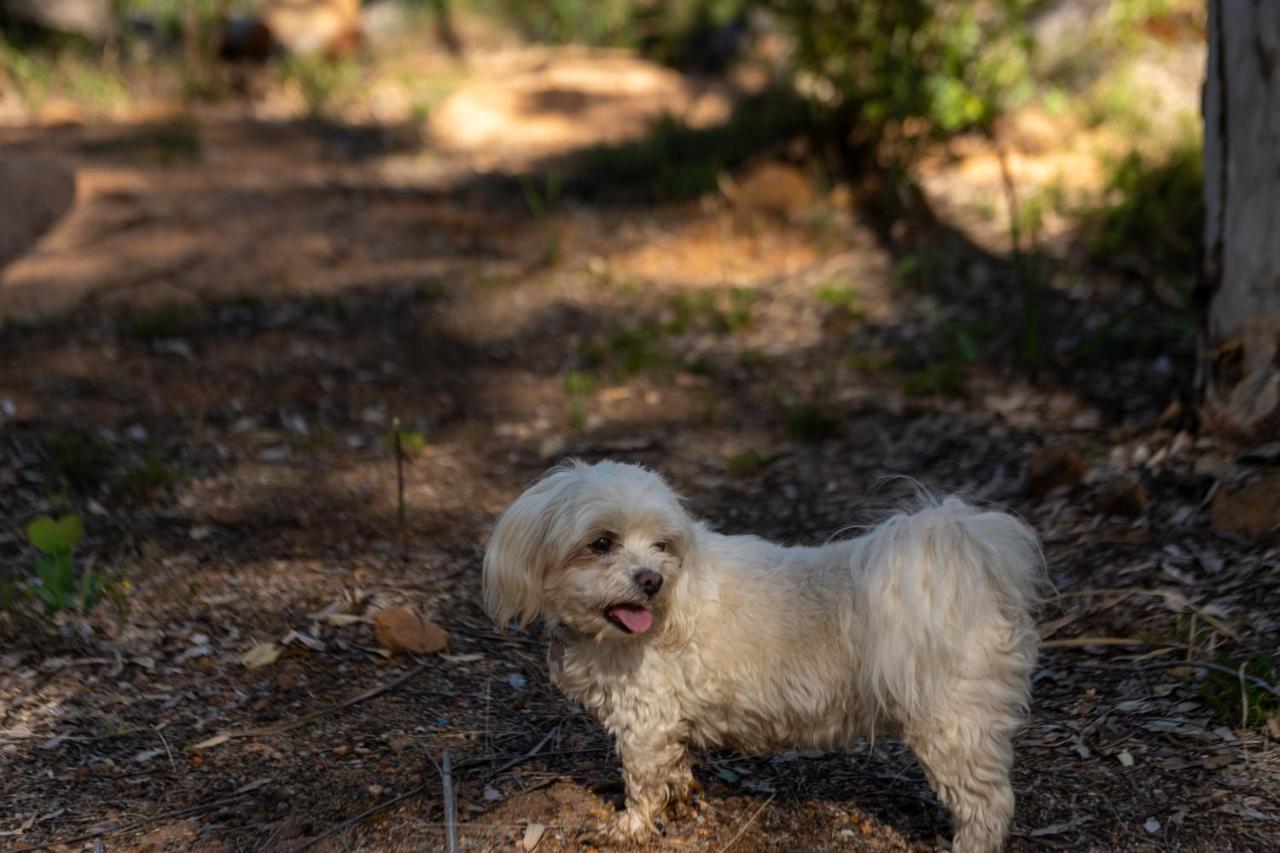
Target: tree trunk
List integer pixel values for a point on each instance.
(1241, 342)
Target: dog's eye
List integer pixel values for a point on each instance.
(601, 545)
(661, 546)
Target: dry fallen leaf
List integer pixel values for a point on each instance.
(1053, 466)
(216, 740)
(1253, 510)
(260, 655)
(532, 835)
(1125, 497)
(1126, 758)
(400, 629)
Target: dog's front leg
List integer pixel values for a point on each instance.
(655, 770)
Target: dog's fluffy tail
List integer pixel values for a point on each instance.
(942, 589)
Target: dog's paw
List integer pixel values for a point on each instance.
(686, 799)
(624, 829)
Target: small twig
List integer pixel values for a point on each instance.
(172, 764)
(315, 715)
(450, 802)
(401, 512)
(747, 825)
(1244, 714)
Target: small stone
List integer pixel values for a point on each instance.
(400, 629)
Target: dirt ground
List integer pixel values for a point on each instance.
(206, 353)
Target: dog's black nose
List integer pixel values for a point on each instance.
(649, 582)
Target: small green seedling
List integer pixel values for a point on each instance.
(412, 443)
(578, 387)
(61, 586)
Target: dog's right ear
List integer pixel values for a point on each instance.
(519, 552)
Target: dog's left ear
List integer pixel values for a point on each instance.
(518, 555)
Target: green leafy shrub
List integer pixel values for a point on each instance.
(1153, 209)
(674, 31)
(321, 80)
(910, 70)
(674, 161)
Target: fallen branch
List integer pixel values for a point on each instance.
(1076, 642)
(223, 737)
(450, 802)
(372, 810)
(352, 821)
(1170, 595)
(139, 824)
(1189, 664)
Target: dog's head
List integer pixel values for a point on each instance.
(597, 548)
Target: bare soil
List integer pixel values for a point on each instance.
(247, 321)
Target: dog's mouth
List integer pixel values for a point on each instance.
(629, 618)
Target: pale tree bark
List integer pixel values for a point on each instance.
(1241, 350)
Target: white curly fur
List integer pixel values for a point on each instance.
(919, 628)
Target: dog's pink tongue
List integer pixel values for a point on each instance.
(637, 619)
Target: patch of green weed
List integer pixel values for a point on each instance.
(168, 141)
(946, 378)
(578, 387)
(1233, 703)
(150, 474)
(166, 320)
(750, 461)
(811, 422)
(80, 460)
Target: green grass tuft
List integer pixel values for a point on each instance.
(810, 422)
(168, 320)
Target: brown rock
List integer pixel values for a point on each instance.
(400, 629)
(1054, 466)
(1124, 497)
(1252, 510)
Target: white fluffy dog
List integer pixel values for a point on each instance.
(673, 635)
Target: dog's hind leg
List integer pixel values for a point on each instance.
(967, 762)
